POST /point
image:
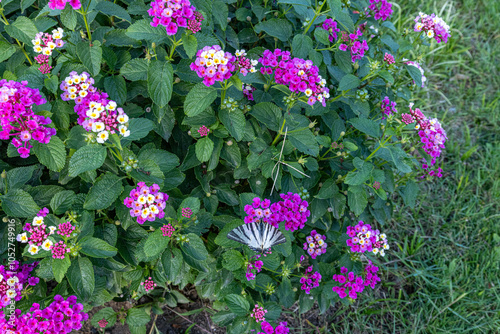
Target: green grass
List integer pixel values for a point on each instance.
(443, 272)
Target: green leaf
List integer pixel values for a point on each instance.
(52, 84)
(90, 56)
(237, 304)
(104, 192)
(17, 177)
(301, 45)
(190, 44)
(60, 267)
(106, 313)
(220, 14)
(111, 9)
(18, 203)
(52, 155)
(415, 74)
(279, 28)
(23, 29)
(348, 82)
(139, 128)
(86, 158)
(384, 74)
(191, 202)
(368, 126)
(362, 174)
(69, 18)
(234, 121)
(62, 202)
(410, 193)
(268, 114)
(285, 293)
(199, 98)
(160, 82)
(137, 317)
(343, 60)
(195, 248)
(135, 69)
(357, 199)
(116, 88)
(155, 244)
(6, 50)
(142, 30)
(95, 247)
(204, 148)
(81, 278)
(328, 190)
(172, 262)
(232, 260)
(305, 141)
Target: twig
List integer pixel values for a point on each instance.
(183, 317)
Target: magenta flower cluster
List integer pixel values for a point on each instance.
(213, 64)
(254, 266)
(309, 280)
(65, 229)
(258, 313)
(331, 26)
(102, 323)
(203, 131)
(175, 14)
(365, 239)
(13, 279)
(244, 64)
(315, 244)
(59, 250)
(280, 329)
(351, 284)
(148, 284)
(389, 59)
(382, 9)
(433, 27)
(60, 317)
(260, 210)
(146, 203)
(351, 43)
(248, 91)
(60, 4)
(388, 107)
(299, 75)
(17, 119)
(167, 230)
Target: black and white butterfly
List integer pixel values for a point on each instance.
(258, 236)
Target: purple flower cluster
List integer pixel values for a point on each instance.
(280, 329)
(146, 203)
(60, 317)
(254, 266)
(258, 313)
(213, 64)
(389, 59)
(351, 43)
(17, 119)
(203, 131)
(351, 284)
(167, 230)
(244, 64)
(59, 250)
(315, 244)
(433, 27)
(60, 4)
(77, 87)
(45, 43)
(175, 14)
(36, 234)
(299, 75)
(365, 239)
(331, 26)
(388, 107)
(309, 280)
(248, 91)
(65, 229)
(382, 10)
(260, 210)
(148, 284)
(13, 279)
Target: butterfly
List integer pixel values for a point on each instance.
(258, 236)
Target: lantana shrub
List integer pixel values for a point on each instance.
(136, 135)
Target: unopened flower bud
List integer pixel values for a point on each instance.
(258, 183)
(412, 149)
(3, 175)
(342, 134)
(229, 143)
(249, 18)
(117, 222)
(148, 109)
(189, 132)
(177, 80)
(208, 194)
(228, 19)
(236, 181)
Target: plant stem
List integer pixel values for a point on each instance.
(87, 26)
(279, 133)
(18, 43)
(316, 14)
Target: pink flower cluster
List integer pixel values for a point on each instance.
(309, 280)
(60, 317)
(243, 64)
(315, 244)
(187, 212)
(280, 329)
(331, 26)
(45, 43)
(43, 60)
(146, 203)
(433, 27)
(352, 44)
(417, 65)
(365, 239)
(13, 279)
(175, 14)
(65, 229)
(382, 10)
(102, 323)
(203, 131)
(167, 230)
(60, 4)
(59, 250)
(17, 119)
(248, 91)
(299, 75)
(213, 64)
(351, 284)
(292, 210)
(254, 266)
(388, 107)
(148, 284)
(389, 59)
(36, 234)
(258, 313)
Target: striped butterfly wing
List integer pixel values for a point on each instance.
(272, 237)
(248, 234)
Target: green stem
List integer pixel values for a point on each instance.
(87, 26)
(6, 22)
(279, 133)
(316, 14)
(378, 148)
